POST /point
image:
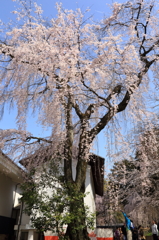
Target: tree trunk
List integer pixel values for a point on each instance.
(77, 228)
(80, 234)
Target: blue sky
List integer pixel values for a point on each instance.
(98, 8)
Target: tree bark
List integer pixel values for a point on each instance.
(77, 229)
(76, 235)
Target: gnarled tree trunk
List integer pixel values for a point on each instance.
(77, 229)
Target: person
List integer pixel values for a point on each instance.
(135, 235)
(117, 234)
(124, 231)
(140, 232)
(132, 228)
(121, 234)
(128, 226)
(154, 230)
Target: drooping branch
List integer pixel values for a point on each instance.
(29, 138)
(5, 49)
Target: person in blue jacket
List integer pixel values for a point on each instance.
(128, 226)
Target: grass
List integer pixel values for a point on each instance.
(148, 233)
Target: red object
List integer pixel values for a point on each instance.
(107, 238)
(51, 238)
(92, 234)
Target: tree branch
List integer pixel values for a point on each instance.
(37, 138)
(94, 92)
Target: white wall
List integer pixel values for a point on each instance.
(104, 233)
(10, 176)
(89, 199)
(17, 193)
(89, 184)
(25, 221)
(7, 187)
